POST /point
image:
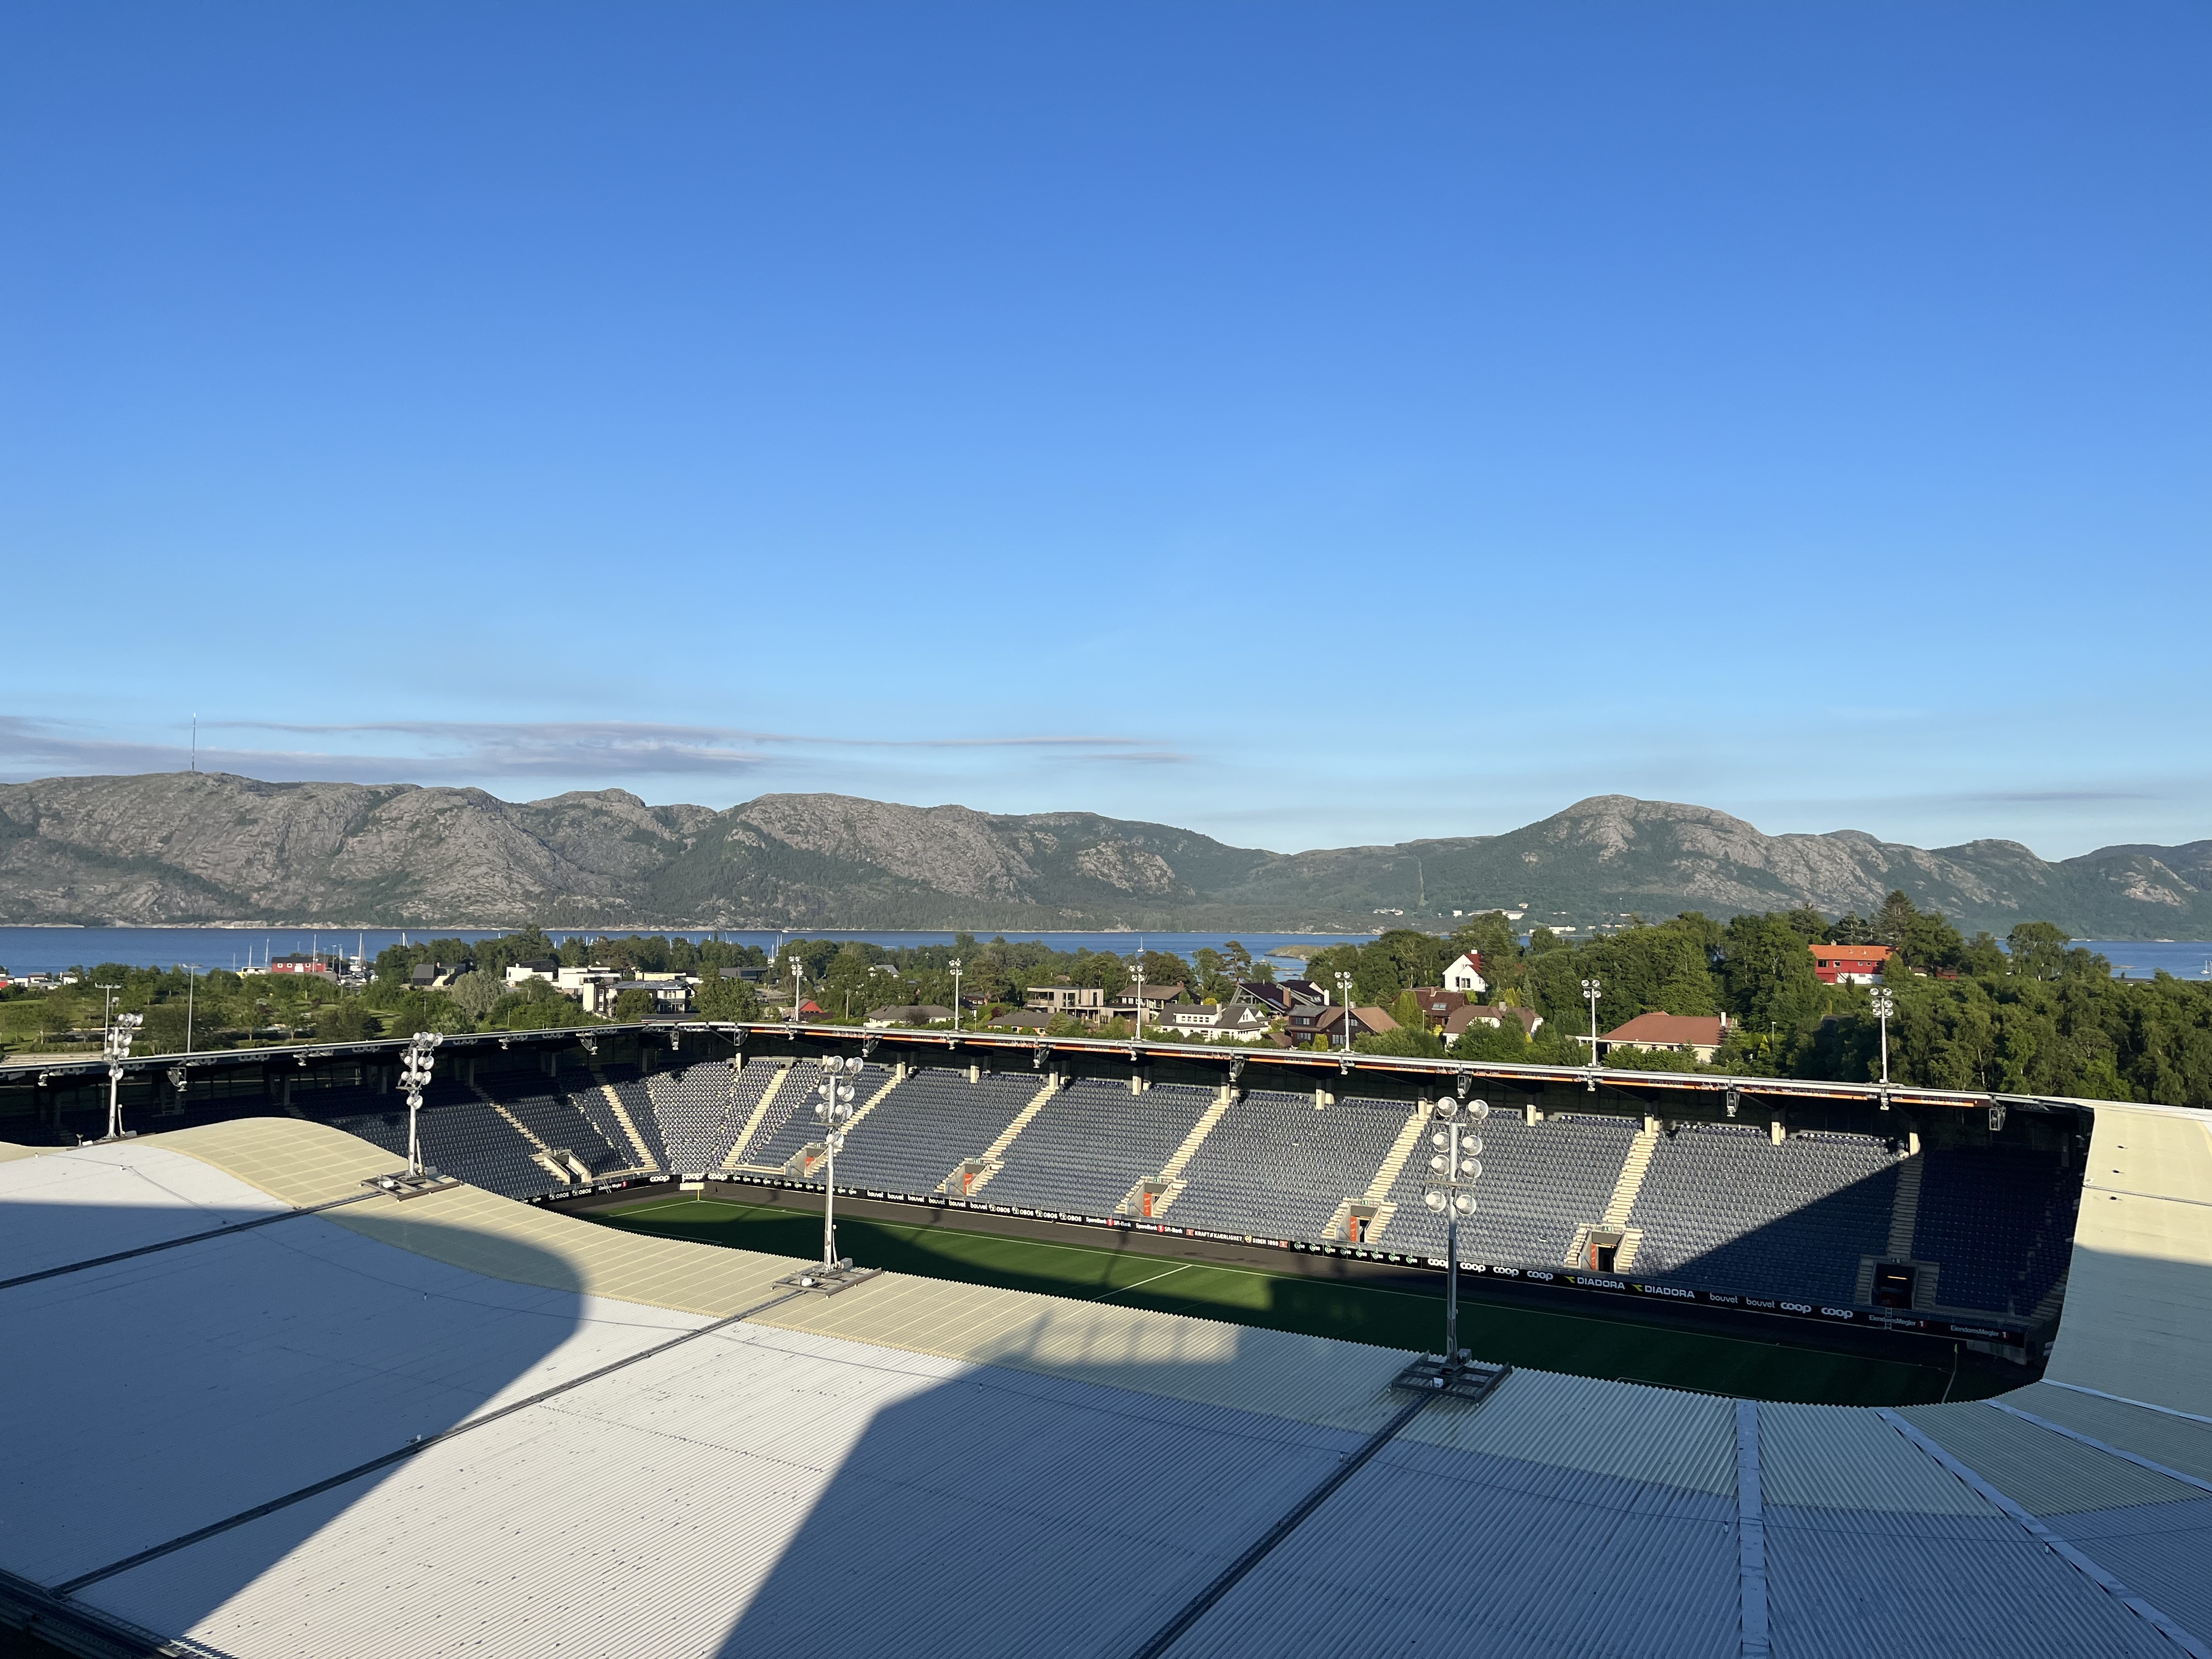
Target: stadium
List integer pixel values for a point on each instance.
(1754, 1366)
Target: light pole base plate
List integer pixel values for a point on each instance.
(404, 1184)
(1470, 1380)
(829, 1281)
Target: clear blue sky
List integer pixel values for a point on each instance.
(1309, 423)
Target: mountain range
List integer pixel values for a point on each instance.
(174, 849)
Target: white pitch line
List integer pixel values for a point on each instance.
(1140, 1284)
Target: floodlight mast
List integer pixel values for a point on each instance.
(414, 1064)
(1139, 1028)
(1592, 990)
(1454, 1167)
(1344, 988)
(955, 996)
(118, 1047)
(834, 1107)
(1885, 1004)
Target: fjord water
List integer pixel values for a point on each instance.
(46, 950)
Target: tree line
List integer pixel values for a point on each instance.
(2037, 1014)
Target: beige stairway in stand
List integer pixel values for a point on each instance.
(1904, 1222)
(558, 1162)
(994, 1158)
(1386, 1176)
(802, 1163)
(645, 1159)
(736, 1159)
(1621, 1205)
(1170, 1176)
(1905, 1207)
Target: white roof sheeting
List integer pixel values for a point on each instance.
(202, 1381)
(1657, 1436)
(920, 1467)
(776, 1492)
(97, 1200)
(2138, 1318)
(1432, 1549)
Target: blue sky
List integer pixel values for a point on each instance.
(1312, 424)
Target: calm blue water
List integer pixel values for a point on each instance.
(2182, 958)
(45, 950)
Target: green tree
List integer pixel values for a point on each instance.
(1506, 1043)
(632, 1005)
(2038, 949)
(1983, 958)
(346, 1021)
(1415, 1042)
(1163, 968)
(1766, 974)
(728, 999)
(475, 994)
(427, 1011)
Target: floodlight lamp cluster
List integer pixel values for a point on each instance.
(1884, 1002)
(835, 1094)
(415, 1063)
(119, 1035)
(1456, 1164)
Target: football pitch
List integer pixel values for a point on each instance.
(1543, 1338)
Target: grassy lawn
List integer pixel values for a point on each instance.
(1585, 1345)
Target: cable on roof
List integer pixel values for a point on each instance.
(420, 1443)
(189, 1238)
(1199, 1605)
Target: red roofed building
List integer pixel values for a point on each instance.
(1849, 964)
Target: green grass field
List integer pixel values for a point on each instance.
(1586, 1345)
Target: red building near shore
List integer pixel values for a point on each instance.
(1849, 964)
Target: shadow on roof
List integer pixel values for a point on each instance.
(181, 1387)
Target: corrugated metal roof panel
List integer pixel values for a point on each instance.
(202, 1381)
(503, 1239)
(1845, 1583)
(299, 1162)
(2160, 1550)
(2044, 1473)
(72, 1204)
(1310, 1378)
(307, 1163)
(1634, 1433)
(2138, 1297)
(2173, 1441)
(1429, 1550)
(764, 1491)
(1836, 1457)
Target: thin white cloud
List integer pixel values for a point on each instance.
(560, 752)
(647, 732)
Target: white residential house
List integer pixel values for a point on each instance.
(1466, 974)
(1238, 1022)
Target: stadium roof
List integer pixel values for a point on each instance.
(630, 1444)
